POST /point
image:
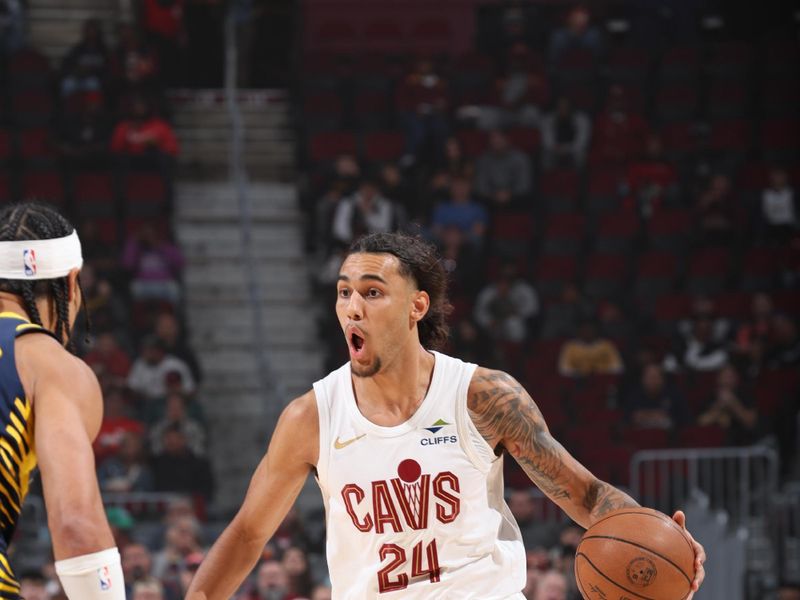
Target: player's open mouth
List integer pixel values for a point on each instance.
(356, 343)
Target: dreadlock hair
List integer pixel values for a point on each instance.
(37, 221)
(420, 262)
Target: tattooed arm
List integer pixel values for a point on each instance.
(506, 416)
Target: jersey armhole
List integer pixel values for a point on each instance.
(324, 415)
(479, 452)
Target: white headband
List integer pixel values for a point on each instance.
(40, 259)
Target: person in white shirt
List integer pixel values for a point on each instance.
(778, 207)
(148, 376)
(407, 445)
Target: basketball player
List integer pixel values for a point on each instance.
(407, 446)
(50, 404)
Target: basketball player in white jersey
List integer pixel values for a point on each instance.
(406, 444)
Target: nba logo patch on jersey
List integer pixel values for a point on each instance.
(105, 578)
(29, 262)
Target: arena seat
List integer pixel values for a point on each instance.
(668, 229)
(627, 64)
(559, 189)
(36, 146)
(473, 142)
(707, 270)
(144, 194)
(94, 194)
(680, 62)
(778, 138)
(677, 101)
(617, 232)
(732, 59)
(564, 233)
(327, 146)
(602, 190)
(552, 272)
(605, 275)
(727, 99)
(656, 273)
(701, 436)
(6, 146)
(384, 145)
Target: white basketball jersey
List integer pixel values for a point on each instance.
(415, 510)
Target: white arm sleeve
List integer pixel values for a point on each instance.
(96, 576)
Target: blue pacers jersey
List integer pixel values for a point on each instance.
(17, 453)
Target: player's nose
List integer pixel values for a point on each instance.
(355, 307)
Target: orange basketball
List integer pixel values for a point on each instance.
(634, 553)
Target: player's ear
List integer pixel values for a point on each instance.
(73, 290)
(420, 303)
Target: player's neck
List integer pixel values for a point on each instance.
(398, 390)
(9, 303)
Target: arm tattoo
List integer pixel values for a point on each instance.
(503, 412)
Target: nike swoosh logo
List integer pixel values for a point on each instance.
(339, 445)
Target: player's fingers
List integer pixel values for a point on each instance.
(680, 519)
(699, 575)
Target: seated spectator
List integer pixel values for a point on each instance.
(651, 178)
(783, 350)
(462, 212)
(461, 260)
(565, 136)
(148, 376)
(654, 404)
(13, 26)
(701, 349)
(148, 589)
(504, 308)
(155, 265)
(163, 22)
(84, 138)
(190, 565)
(85, 67)
(271, 583)
(33, 585)
(577, 32)
(137, 565)
(551, 585)
(177, 469)
(561, 315)
(716, 212)
(144, 139)
(107, 309)
(295, 563)
(127, 470)
(732, 408)
(617, 133)
(321, 592)
(502, 173)
(181, 540)
(456, 164)
(117, 423)
(364, 212)
(422, 99)
(587, 354)
(177, 416)
(341, 184)
(778, 217)
(108, 355)
(614, 323)
(398, 189)
(535, 532)
(753, 335)
(134, 64)
(518, 96)
(168, 330)
(122, 524)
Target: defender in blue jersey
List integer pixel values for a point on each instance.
(50, 404)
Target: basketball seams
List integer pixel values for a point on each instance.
(648, 512)
(607, 578)
(624, 541)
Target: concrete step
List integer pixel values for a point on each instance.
(299, 317)
(223, 133)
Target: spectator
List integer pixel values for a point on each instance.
(716, 212)
(551, 585)
(108, 310)
(652, 178)
(732, 408)
(148, 589)
(535, 532)
(137, 565)
(149, 372)
(176, 416)
(181, 540)
(321, 592)
(190, 565)
(84, 139)
(502, 173)
(504, 308)
(342, 183)
(617, 133)
(654, 404)
(122, 524)
(517, 96)
(577, 32)
(460, 260)
(163, 22)
(471, 341)
(565, 136)
(422, 99)
(561, 315)
(13, 24)
(784, 348)
(587, 354)
(456, 164)
(462, 212)
(144, 139)
(397, 189)
(85, 67)
(33, 585)
(127, 471)
(108, 356)
(702, 350)
(96, 253)
(272, 583)
(155, 265)
(365, 212)
(177, 469)
(753, 335)
(778, 215)
(134, 64)
(117, 423)
(295, 564)
(168, 330)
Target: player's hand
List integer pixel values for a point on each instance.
(699, 554)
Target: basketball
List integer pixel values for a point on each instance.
(635, 553)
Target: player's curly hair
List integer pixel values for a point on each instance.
(37, 221)
(419, 261)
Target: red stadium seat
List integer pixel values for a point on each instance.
(605, 275)
(729, 59)
(668, 229)
(627, 64)
(676, 102)
(335, 31)
(707, 270)
(617, 232)
(564, 233)
(513, 226)
(552, 272)
(32, 107)
(384, 32)
(384, 145)
(778, 138)
(760, 268)
(701, 436)
(559, 189)
(727, 99)
(775, 389)
(730, 137)
(432, 30)
(43, 185)
(787, 301)
(36, 145)
(672, 307)
(329, 145)
(28, 67)
(525, 138)
(752, 177)
(94, 194)
(680, 138)
(6, 145)
(473, 142)
(646, 438)
(680, 62)
(733, 305)
(145, 195)
(5, 187)
(780, 97)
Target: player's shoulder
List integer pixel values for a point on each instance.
(41, 357)
(486, 384)
(301, 410)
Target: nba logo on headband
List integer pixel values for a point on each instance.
(29, 262)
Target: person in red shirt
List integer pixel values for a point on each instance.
(143, 133)
(652, 177)
(107, 354)
(163, 23)
(618, 134)
(116, 424)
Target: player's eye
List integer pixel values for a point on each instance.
(373, 293)
(344, 293)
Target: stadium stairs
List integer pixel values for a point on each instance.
(240, 411)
